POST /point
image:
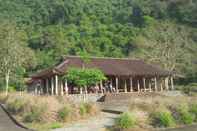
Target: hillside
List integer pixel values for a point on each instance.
(159, 31)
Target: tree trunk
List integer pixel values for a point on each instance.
(7, 78)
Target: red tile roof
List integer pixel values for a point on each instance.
(109, 66)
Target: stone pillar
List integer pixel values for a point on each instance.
(125, 86)
(47, 85)
(52, 86)
(144, 84)
(117, 85)
(172, 83)
(81, 90)
(66, 86)
(131, 84)
(161, 84)
(62, 88)
(138, 86)
(149, 85)
(101, 87)
(56, 84)
(166, 83)
(155, 84)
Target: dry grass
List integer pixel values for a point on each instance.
(44, 109)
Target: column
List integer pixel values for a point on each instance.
(101, 86)
(172, 83)
(138, 86)
(161, 84)
(117, 85)
(66, 86)
(125, 86)
(166, 83)
(52, 86)
(62, 88)
(131, 84)
(149, 85)
(47, 85)
(56, 84)
(155, 84)
(144, 84)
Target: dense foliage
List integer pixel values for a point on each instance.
(84, 77)
(162, 31)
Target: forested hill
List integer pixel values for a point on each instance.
(159, 31)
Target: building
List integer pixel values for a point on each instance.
(124, 75)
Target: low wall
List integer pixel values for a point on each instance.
(88, 97)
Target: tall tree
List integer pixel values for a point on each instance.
(13, 50)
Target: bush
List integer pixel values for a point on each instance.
(55, 125)
(35, 114)
(184, 115)
(16, 105)
(190, 89)
(126, 120)
(193, 110)
(163, 119)
(83, 109)
(64, 113)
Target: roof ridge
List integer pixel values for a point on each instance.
(112, 58)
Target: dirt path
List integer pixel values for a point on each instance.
(94, 124)
(6, 124)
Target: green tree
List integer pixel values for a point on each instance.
(83, 78)
(13, 50)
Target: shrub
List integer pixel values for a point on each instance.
(16, 105)
(193, 110)
(83, 109)
(64, 113)
(184, 115)
(35, 114)
(55, 125)
(126, 120)
(163, 119)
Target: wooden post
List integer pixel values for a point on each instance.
(52, 86)
(125, 86)
(117, 85)
(144, 83)
(66, 86)
(81, 90)
(138, 86)
(56, 84)
(166, 83)
(131, 84)
(47, 86)
(62, 88)
(172, 83)
(149, 85)
(161, 84)
(101, 86)
(155, 84)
